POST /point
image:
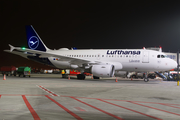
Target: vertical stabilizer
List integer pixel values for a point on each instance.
(33, 40)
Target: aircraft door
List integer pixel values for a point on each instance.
(145, 58)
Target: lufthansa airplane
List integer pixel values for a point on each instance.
(99, 62)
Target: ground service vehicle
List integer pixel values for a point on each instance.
(25, 71)
(8, 70)
(67, 72)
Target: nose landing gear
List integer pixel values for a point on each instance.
(146, 79)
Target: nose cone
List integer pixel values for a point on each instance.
(173, 64)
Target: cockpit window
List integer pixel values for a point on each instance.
(162, 56)
(167, 56)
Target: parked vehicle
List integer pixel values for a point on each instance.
(48, 71)
(152, 75)
(67, 72)
(87, 74)
(137, 75)
(161, 75)
(8, 70)
(25, 71)
(141, 75)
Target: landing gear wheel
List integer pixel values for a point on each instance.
(95, 77)
(146, 79)
(81, 76)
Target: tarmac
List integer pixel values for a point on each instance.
(50, 97)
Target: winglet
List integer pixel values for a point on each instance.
(11, 47)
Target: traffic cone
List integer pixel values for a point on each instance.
(68, 77)
(131, 78)
(116, 80)
(92, 76)
(4, 77)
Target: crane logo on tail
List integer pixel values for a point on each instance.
(33, 42)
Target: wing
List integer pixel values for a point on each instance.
(26, 52)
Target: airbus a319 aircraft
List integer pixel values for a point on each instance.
(99, 62)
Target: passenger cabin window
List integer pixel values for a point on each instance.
(158, 56)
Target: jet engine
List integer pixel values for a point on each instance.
(103, 70)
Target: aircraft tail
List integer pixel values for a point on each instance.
(33, 40)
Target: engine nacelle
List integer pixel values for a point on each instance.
(103, 70)
(121, 73)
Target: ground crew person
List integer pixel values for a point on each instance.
(63, 72)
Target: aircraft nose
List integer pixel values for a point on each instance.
(173, 64)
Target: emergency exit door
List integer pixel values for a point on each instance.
(145, 58)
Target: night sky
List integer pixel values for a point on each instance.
(89, 25)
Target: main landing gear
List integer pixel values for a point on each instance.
(146, 79)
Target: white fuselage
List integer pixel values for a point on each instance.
(122, 59)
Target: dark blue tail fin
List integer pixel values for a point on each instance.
(33, 40)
